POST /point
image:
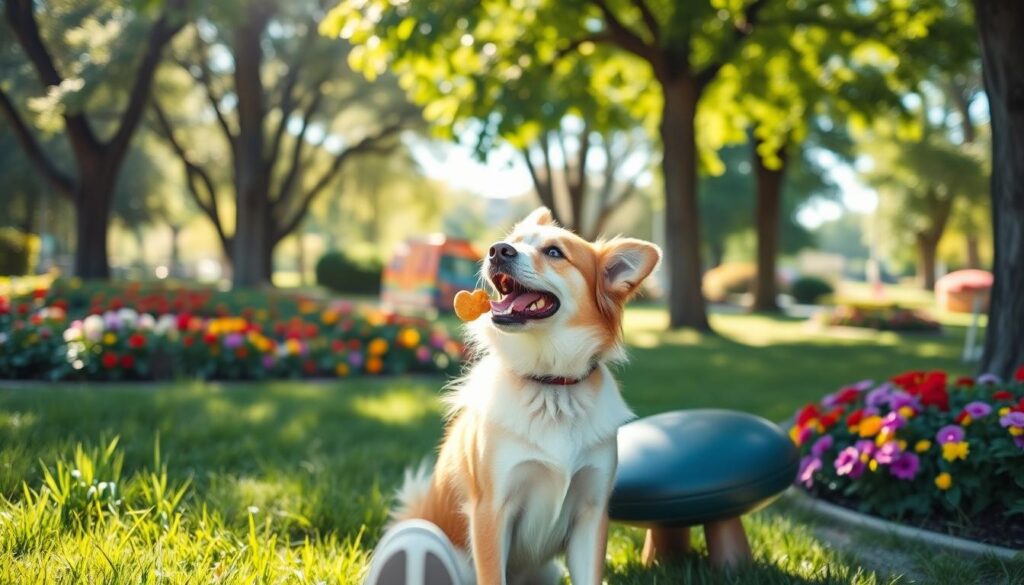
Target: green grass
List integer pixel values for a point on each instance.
(288, 482)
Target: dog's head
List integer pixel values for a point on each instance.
(560, 296)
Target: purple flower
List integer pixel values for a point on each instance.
(355, 359)
(865, 447)
(808, 467)
(823, 444)
(111, 320)
(899, 399)
(423, 353)
(268, 361)
(905, 466)
(893, 421)
(1019, 441)
(987, 379)
(804, 435)
(978, 409)
(1012, 419)
(879, 396)
(949, 434)
(863, 385)
(888, 453)
(233, 340)
(848, 463)
(870, 411)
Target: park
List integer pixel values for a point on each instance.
(233, 233)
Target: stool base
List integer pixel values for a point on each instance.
(726, 540)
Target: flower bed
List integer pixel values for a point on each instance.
(949, 455)
(103, 332)
(880, 317)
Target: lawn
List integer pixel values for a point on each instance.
(287, 482)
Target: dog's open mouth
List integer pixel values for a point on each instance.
(519, 304)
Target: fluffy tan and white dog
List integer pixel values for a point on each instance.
(529, 456)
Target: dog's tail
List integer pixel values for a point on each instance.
(411, 498)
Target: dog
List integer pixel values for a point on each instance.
(529, 456)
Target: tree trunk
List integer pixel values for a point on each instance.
(253, 240)
(926, 252)
(175, 261)
(682, 225)
(92, 218)
(1001, 27)
(973, 251)
(767, 219)
(300, 257)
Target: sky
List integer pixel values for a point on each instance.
(504, 175)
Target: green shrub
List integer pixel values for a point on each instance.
(19, 252)
(808, 289)
(341, 274)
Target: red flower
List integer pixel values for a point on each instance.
(242, 352)
(337, 345)
(183, 320)
(127, 361)
(61, 304)
(109, 360)
(5, 306)
(209, 339)
(116, 303)
(847, 396)
(39, 293)
(965, 381)
(188, 340)
(1019, 374)
(960, 417)
(808, 413)
(309, 366)
(935, 397)
(855, 417)
(1002, 395)
(22, 308)
(906, 379)
(829, 419)
(136, 341)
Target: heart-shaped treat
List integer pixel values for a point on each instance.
(470, 305)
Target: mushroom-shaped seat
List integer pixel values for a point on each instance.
(699, 467)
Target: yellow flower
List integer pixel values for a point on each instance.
(953, 451)
(943, 481)
(884, 436)
(293, 346)
(409, 337)
(906, 412)
(922, 445)
(966, 422)
(873, 465)
(1016, 431)
(1004, 411)
(377, 347)
(341, 370)
(109, 338)
(870, 426)
(902, 444)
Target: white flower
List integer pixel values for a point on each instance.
(73, 333)
(93, 327)
(128, 317)
(164, 324)
(3, 338)
(146, 321)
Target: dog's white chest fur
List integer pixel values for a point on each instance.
(553, 456)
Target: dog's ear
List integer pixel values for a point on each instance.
(540, 216)
(625, 263)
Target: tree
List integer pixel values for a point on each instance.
(1001, 28)
(922, 179)
(290, 118)
(73, 86)
(583, 191)
(665, 57)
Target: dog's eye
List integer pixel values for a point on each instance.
(554, 252)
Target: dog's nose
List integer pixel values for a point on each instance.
(501, 252)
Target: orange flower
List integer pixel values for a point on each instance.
(374, 365)
(870, 426)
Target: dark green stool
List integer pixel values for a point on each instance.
(699, 467)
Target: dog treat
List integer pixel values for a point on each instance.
(470, 305)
